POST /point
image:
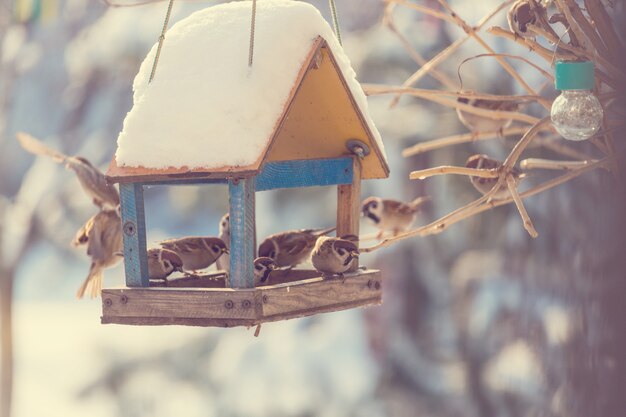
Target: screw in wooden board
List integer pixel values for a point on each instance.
(123, 299)
(377, 285)
(108, 302)
(265, 299)
(246, 304)
(129, 228)
(370, 284)
(229, 304)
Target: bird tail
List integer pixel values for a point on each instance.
(419, 201)
(37, 147)
(92, 284)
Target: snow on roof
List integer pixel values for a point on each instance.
(205, 108)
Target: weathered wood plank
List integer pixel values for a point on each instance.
(134, 231)
(304, 173)
(349, 205)
(319, 293)
(242, 232)
(199, 303)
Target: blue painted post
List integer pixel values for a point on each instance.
(242, 232)
(134, 230)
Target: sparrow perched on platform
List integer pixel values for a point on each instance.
(103, 235)
(391, 215)
(521, 15)
(332, 255)
(263, 266)
(223, 262)
(291, 248)
(484, 185)
(93, 182)
(162, 262)
(196, 252)
(477, 123)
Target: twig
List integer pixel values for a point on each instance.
(472, 32)
(477, 207)
(435, 96)
(573, 25)
(537, 163)
(528, 224)
(441, 56)
(417, 57)
(605, 27)
(458, 139)
(520, 146)
(447, 169)
(543, 72)
(545, 53)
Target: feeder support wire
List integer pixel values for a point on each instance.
(333, 11)
(161, 39)
(252, 25)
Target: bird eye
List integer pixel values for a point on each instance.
(341, 251)
(374, 205)
(167, 264)
(216, 248)
(258, 267)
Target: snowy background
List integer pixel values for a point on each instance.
(479, 321)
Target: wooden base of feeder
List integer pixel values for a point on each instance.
(203, 301)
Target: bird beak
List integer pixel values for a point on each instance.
(225, 250)
(272, 267)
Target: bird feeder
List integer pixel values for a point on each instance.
(321, 137)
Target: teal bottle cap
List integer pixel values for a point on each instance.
(571, 75)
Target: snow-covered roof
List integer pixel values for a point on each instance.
(207, 110)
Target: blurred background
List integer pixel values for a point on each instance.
(479, 321)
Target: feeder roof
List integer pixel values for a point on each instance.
(206, 113)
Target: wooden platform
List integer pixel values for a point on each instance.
(204, 301)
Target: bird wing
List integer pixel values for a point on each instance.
(183, 245)
(37, 147)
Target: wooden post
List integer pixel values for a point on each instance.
(348, 206)
(242, 232)
(134, 231)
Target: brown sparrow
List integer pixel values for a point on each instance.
(162, 262)
(103, 236)
(196, 252)
(332, 255)
(391, 215)
(223, 262)
(263, 266)
(484, 185)
(520, 15)
(477, 123)
(91, 179)
(291, 248)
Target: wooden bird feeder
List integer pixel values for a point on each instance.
(321, 138)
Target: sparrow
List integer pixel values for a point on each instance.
(91, 179)
(223, 262)
(103, 236)
(291, 248)
(484, 185)
(520, 15)
(196, 252)
(162, 262)
(263, 266)
(477, 123)
(332, 255)
(391, 215)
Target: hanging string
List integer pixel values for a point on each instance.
(161, 39)
(252, 24)
(333, 11)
